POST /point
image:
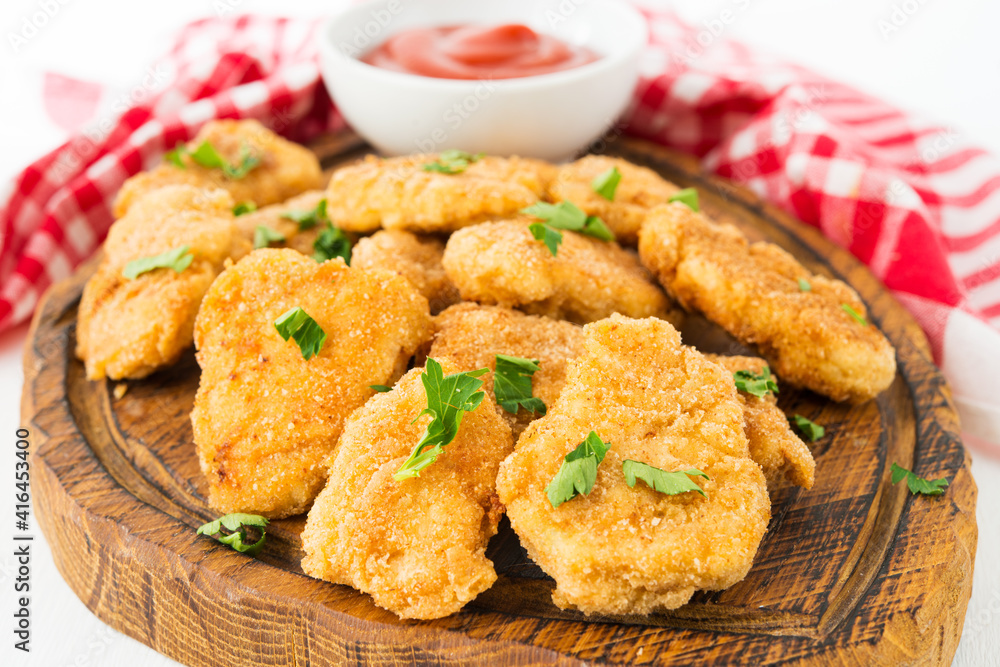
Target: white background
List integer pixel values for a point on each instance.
(943, 62)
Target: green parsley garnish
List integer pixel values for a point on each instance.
(804, 285)
(564, 215)
(264, 236)
(453, 162)
(236, 524)
(177, 259)
(809, 428)
(512, 384)
(449, 397)
(332, 242)
(208, 157)
(688, 197)
(855, 314)
(928, 487)
(758, 385)
(380, 388)
(174, 156)
(578, 471)
(307, 219)
(244, 207)
(670, 483)
(606, 183)
(298, 325)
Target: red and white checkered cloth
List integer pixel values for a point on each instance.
(907, 198)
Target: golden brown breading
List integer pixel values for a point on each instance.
(752, 291)
(417, 546)
(397, 193)
(776, 449)
(470, 336)
(265, 418)
(639, 190)
(502, 263)
(416, 258)
(271, 217)
(286, 169)
(622, 550)
(130, 328)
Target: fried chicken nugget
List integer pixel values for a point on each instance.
(753, 292)
(296, 237)
(417, 546)
(130, 328)
(416, 258)
(264, 417)
(622, 550)
(470, 336)
(776, 449)
(285, 169)
(502, 263)
(639, 190)
(397, 193)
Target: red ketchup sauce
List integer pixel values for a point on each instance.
(477, 52)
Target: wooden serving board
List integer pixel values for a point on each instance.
(855, 571)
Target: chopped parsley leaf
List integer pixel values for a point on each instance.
(512, 384)
(177, 259)
(449, 397)
(303, 329)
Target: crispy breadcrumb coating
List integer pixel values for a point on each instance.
(397, 193)
(416, 546)
(264, 417)
(296, 237)
(470, 336)
(622, 550)
(777, 450)
(285, 170)
(752, 291)
(130, 328)
(502, 263)
(639, 190)
(416, 258)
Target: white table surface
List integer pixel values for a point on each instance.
(942, 62)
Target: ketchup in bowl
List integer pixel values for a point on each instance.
(477, 52)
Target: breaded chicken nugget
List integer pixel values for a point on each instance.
(416, 258)
(298, 236)
(417, 546)
(285, 169)
(470, 336)
(803, 324)
(397, 193)
(776, 449)
(130, 328)
(631, 550)
(264, 417)
(639, 190)
(502, 263)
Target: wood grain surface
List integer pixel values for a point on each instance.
(855, 571)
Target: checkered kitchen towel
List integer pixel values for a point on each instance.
(907, 198)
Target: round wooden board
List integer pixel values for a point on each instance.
(855, 571)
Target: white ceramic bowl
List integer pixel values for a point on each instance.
(550, 116)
